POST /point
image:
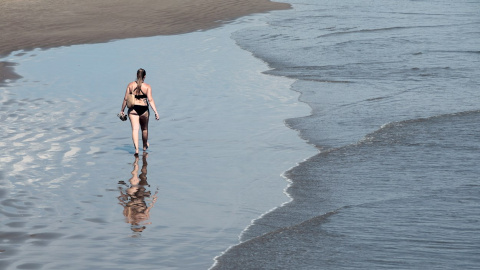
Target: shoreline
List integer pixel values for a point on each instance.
(70, 22)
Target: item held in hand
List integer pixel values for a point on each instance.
(122, 117)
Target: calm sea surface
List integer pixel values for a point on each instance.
(394, 91)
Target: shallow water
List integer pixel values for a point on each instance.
(68, 174)
(393, 87)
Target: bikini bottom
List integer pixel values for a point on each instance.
(139, 109)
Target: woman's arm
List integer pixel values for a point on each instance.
(152, 102)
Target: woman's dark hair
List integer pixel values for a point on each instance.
(140, 77)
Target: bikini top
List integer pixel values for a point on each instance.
(140, 96)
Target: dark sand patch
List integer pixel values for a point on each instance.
(30, 24)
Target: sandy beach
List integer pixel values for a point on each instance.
(326, 136)
(29, 24)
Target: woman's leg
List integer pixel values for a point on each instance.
(135, 122)
(144, 125)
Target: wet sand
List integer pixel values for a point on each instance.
(214, 165)
(68, 171)
(29, 24)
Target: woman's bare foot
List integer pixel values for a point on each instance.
(145, 147)
(136, 150)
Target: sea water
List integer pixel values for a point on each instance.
(394, 92)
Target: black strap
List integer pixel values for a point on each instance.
(138, 88)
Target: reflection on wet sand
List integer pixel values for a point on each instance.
(133, 197)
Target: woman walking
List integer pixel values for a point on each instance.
(139, 113)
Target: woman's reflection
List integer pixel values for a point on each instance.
(133, 196)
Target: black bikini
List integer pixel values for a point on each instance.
(139, 108)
